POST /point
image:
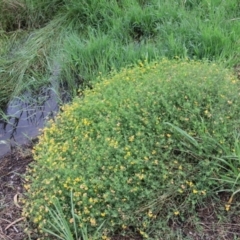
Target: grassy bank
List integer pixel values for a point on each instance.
(85, 38)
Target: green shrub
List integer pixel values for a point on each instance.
(136, 149)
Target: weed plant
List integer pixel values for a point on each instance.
(136, 150)
(88, 37)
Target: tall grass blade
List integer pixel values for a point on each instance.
(184, 134)
(59, 223)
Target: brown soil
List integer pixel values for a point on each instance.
(12, 166)
(213, 221)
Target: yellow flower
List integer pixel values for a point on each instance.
(86, 122)
(154, 152)
(86, 211)
(143, 234)
(93, 221)
(26, 186)
(131, 138)
(195, 191)
(176, 213)
(140, 176)
(189, 183)
(203, 192)
(127, 155)
(227, 207)
(124, 226)
(150, 214)
(104, 237)
(122, 168)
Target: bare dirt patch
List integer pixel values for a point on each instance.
(12, 166)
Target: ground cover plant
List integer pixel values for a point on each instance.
(136, 152)
(88, 37)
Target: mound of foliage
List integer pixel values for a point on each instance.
(137, 149)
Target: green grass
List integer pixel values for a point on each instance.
(138, 151)
(61, 228)
(86, 38)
